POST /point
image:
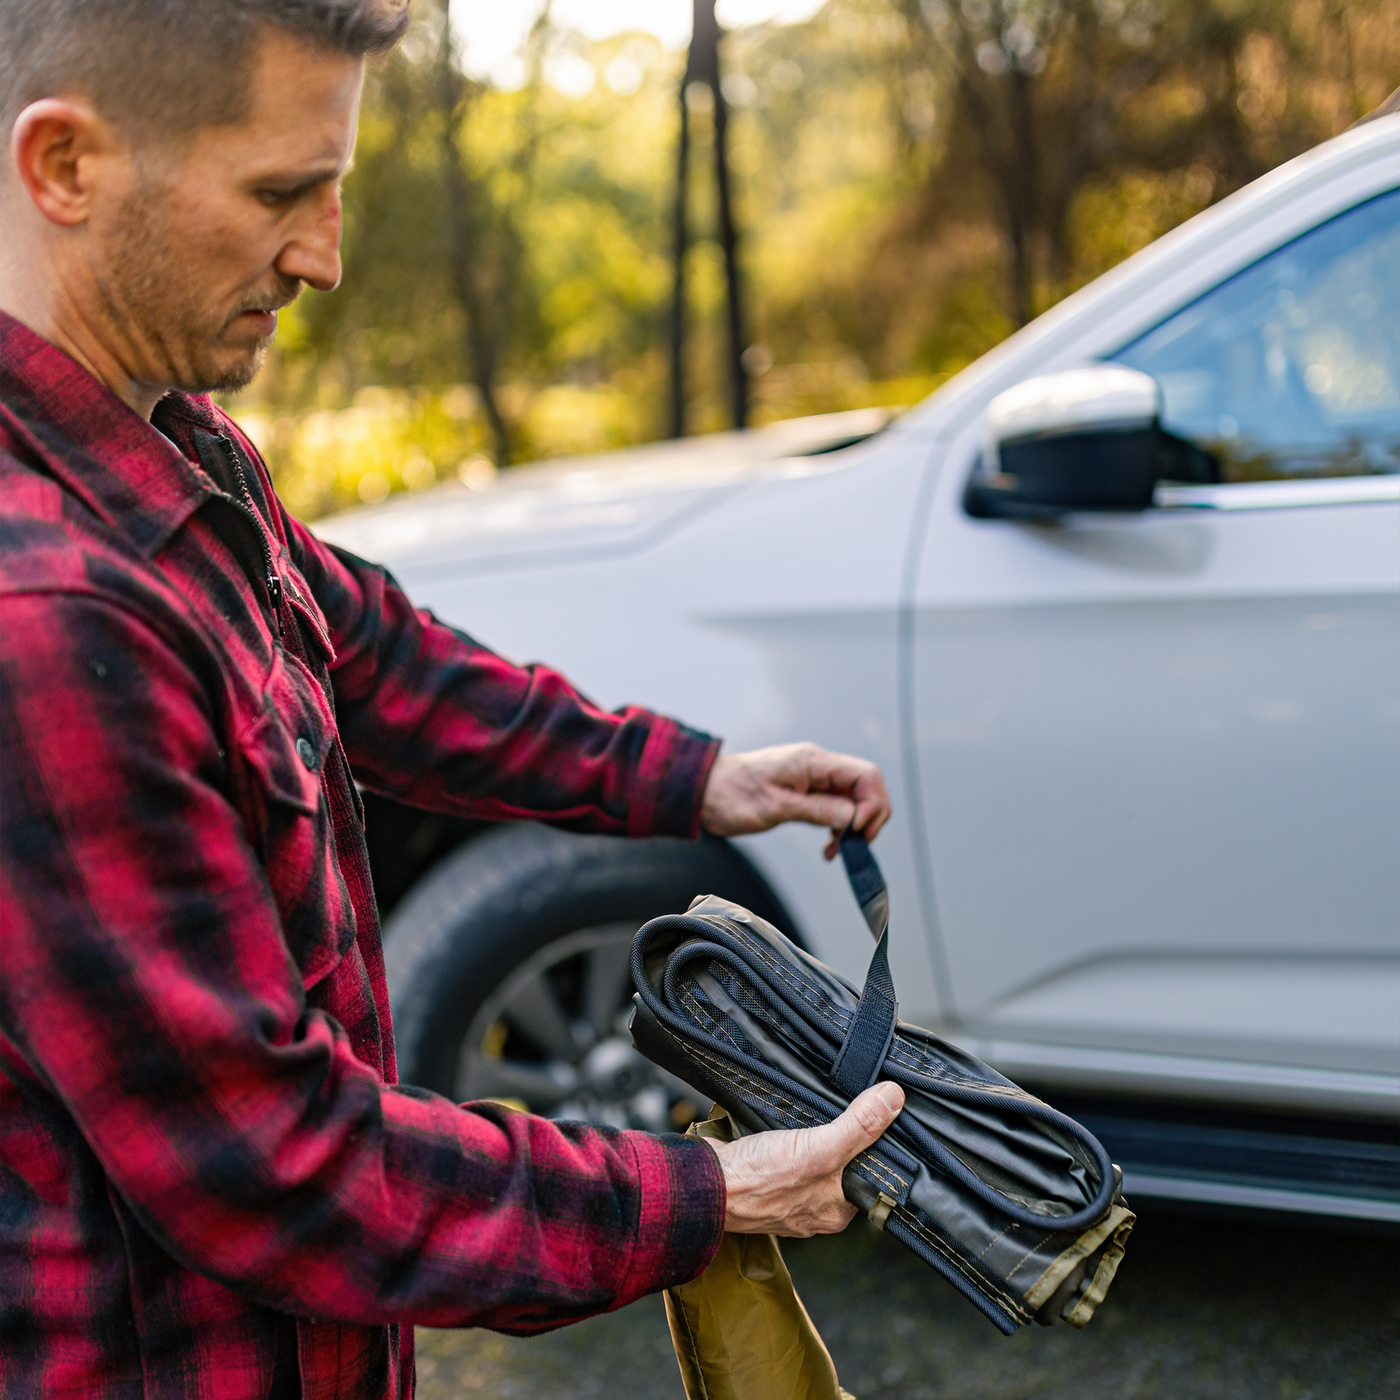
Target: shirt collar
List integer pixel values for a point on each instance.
(133, 476)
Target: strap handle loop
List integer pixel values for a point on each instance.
(871, 1033)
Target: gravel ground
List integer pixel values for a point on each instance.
(1201, 1310)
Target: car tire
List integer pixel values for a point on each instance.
(507, 968)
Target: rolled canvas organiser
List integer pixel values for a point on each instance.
(1014, 1203)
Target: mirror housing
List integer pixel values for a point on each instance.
(1087, 439)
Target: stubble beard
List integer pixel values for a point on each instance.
(160, 306)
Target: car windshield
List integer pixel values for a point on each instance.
(1291, 368)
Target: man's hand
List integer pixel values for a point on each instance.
(794, 783)
(789, 1183)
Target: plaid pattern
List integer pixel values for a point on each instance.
(200, 1131)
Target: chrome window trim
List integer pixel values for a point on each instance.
(1280, 495)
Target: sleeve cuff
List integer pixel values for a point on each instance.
(681, 1217)
(669, 784)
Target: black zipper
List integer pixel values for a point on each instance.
(271, 579)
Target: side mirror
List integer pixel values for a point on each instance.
(1087, 439)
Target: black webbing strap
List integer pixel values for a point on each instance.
(867, 883)
(870, 1035)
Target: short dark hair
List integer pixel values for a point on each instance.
(168, 67)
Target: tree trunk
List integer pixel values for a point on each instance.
(729, 242)
(681, 235)
(464, 252)
(1020, 179)
(702, 65)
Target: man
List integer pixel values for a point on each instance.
(209, 1181)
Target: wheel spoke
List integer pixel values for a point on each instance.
(607, 979)
(535, 1011)
(486, 1078)
(494, 1064)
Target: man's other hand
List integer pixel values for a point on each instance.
(795, 783)
(789, 1182)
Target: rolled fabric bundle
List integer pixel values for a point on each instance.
(740, 1330)
(1013, 1202)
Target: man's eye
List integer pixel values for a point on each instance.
(276, 199)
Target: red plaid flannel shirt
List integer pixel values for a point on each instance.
(200, 1130)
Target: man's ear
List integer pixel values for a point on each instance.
(56, 145)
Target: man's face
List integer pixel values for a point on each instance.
(209, 238)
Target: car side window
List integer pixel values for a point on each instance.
(1291, 368)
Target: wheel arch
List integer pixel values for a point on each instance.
(439, 873)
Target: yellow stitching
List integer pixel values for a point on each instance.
(1005, 1230)
(1010, 1273)
(756, 1087)
(1015, 1305)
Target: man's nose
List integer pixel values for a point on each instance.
(313, 252)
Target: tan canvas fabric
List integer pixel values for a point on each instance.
(740, 1330)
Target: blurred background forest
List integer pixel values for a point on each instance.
(913, 179)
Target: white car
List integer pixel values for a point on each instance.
(1117, 610)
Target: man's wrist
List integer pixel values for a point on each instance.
(704, 769)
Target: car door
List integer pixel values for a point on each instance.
(1159, 755)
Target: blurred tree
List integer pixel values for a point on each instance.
(486, 285)
(914, 178)
(1047, 96)
(703, 72)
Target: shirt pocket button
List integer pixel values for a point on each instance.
(306, 752)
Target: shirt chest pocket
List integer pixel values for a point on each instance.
(283, 745)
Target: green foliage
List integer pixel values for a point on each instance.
(386, 439)
(1111, 219)
(913, 178)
